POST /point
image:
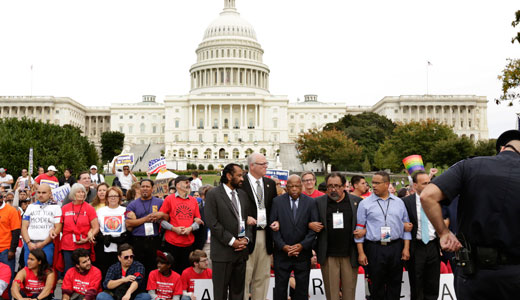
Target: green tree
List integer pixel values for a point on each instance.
(510, 76)
(111, 144)
(366, 167)
(63, 147)
(485, 148)
(447, 152)
(368, 129)
(330, 147)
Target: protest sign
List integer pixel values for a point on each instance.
(282, 175)
(156, 165)
(160, 187)
(124, 160)
(59, 194)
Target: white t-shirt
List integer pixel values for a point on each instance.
(195, 184)
(42, 218)
(111, 222)
(4, 179)
(97, 180)
(25, 180)
(126, 181)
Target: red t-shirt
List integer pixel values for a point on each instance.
(82, 283)
(32, 285)
(189, 275)
(165, 287)
(76, 221)
(46, 177)
(314, 194)
(182, 212)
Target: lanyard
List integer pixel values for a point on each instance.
(387, 206)
(79, 213)
(147, 211)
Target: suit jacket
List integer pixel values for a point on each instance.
(293, 231)
(321, 251)
(411, 208)
(269, 195)
(223, 223)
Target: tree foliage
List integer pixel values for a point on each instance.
(111, 144)
(485, 148)
(331, 147)
(447, 152)
(63, 147)
(510, 76)
(367, 129)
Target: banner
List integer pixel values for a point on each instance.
(31, 164)
(60, 194)
(282, 175)
(160, 187)
(52, 184)
(413, 163)
(124, 160)
(156, 165)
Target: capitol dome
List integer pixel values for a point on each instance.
(229, 58)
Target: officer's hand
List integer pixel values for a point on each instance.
(406, 254)
(408, 227)
(449, 242)
(362, 259)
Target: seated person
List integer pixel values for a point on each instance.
(124, 280)
(84, 280)
(36, 280)
(199, 270)
(164, 283)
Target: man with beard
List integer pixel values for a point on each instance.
(337, 253)
(226, 216)
(84, 280)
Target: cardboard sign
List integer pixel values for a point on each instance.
(124, 160)
(282, 175)
(60, 194)
(160, 188)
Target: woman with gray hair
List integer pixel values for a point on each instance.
(80, 224)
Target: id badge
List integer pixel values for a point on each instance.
(242, 231)
(73, 238)
(148, 229)
(337, 220)
(385, 234)
(262, 217)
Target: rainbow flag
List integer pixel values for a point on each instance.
(413, 163)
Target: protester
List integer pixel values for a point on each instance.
(23, 200)
(125, 279)
(80, 224)
(95, 177)
(83, 281)
(67, 178)
(112, 229)
(202, 240)
(47, 178)
(386, 242)
(391, 189)
(403, 192)
(24, 181)
(164, 283)
(36, 280)
(309, 185)
(182, 212)
(140, 220)
(199, 270)
(101, 196)
(293, 242)
(9, 234)
(41, 223)
(195, 182)
(6, 180)
(126, 178)
(133, 193)
(5, 277)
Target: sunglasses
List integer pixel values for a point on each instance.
(128, 257)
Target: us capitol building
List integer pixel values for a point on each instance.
(229, 111)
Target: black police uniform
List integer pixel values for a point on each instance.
(489, 219)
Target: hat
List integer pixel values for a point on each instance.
(93, 167)
(166, 256)
(52, 168)
(182, 178)
(505, 138)
(2, 170)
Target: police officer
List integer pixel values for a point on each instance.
(489, 220)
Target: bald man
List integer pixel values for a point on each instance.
(41, 224)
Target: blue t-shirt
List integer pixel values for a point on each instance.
(143, 208)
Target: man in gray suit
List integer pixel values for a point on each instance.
(226, 217)
(336, 250)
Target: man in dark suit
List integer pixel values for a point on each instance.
(337, 252)
(293, 242)
(260, 192)
(424, 265)
(226, 215)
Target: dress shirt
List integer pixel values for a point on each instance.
(294, 202)
(228, 192)
(252, 183)
(371, 216)
(431, 229)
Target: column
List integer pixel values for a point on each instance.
(221, 124)
(190, 111)
(195, 117)
(206, 116)
(261, 123)
(240, 122)
(230, 123)
(409, 113)
(89, 130)
(255, 121)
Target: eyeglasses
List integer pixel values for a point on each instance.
(126, 169)
(307, 180)
(334, 187)
(128, 257)
(262, 164)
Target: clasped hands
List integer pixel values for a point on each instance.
(293, 250)
(240, 244)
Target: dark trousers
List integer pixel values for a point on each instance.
(181, 255)
(502, 282)
(424, 270)
(283, 266)
(145, 251)
(229, 276)
(385, 269)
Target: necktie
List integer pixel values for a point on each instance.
(260, 195)
(425, 233)
(234, 202)
(294, 208)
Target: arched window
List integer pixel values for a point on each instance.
(195, 153)
(207, 153)
(263, 151)
(249, 151)
(181, 153)
(236, 153)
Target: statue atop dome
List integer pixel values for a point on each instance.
(229, 4)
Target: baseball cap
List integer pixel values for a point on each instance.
(93, 167)
(52, 168)
(182, 178)
(165, 256)
(2, 170)
(504, 138)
